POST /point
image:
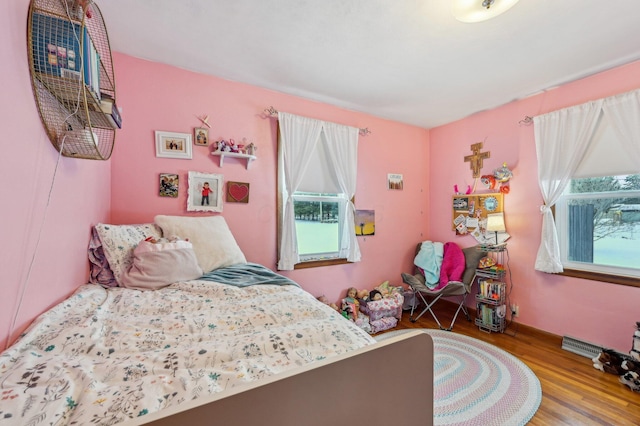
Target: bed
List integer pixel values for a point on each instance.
(238, 334)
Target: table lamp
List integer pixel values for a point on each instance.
(495, 223)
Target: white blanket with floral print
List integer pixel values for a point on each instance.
(106, 355)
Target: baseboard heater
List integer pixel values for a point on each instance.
(580, 347)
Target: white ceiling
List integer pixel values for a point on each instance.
(404, 60)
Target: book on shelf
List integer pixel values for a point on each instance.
(91, 65)
(114, 118)
(493, 290)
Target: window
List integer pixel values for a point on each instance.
(588, 169)
(318, 225)
(598, 221)
(317, 165)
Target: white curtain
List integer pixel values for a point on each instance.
(298, 138)
(562, 138)
(623, 113)
(342, 147)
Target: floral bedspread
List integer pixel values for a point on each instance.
(104, 356)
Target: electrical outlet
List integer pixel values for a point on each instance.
(515, 310)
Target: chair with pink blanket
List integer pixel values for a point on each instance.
(457, 270)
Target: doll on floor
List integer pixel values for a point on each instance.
(375, 295)
(350, 304)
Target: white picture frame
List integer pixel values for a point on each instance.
(196, 200)
(174, 145)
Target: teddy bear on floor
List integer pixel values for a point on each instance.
(635, 347)
(631, 375)
(609, 361)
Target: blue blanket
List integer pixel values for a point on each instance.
(429, 259)
(246, 274)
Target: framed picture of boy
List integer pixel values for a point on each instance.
(205, 192)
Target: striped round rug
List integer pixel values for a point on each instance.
(476, 383)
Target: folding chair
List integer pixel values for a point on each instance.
(459, 289)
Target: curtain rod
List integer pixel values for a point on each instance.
(272, 112)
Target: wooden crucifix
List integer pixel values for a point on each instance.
(476, 158)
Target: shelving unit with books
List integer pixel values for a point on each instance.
(72, 77)
(491, 308)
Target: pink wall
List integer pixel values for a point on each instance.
(597, 312)
(158, 97)
(80, 195)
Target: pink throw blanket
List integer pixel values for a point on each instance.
(453, 265)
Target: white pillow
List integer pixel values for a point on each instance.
(118, 242)
(158, 264)
(212, 240)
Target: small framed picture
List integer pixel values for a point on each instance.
(173, 145)
(365, 222)
(205, 192)
(394, 181)
(201, 136)
(237, 192)
(169, 184)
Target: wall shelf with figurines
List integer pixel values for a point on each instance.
(229, 148)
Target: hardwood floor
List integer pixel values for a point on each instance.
(573, 392)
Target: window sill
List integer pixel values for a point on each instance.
(319, 263)
(597, 276)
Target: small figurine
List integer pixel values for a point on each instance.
(232, 146)
(251, 149)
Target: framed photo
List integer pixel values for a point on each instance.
(169, 184)
(173, 145)
(201, 136)
(237, 192)
(394, 181)
(205, 192)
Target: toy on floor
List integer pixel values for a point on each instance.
(609, 361)
(635, 346)
(324, 300)
(631, 375)
(383, 306)
(627, 367)
(350, 304)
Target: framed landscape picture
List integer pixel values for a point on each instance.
(173, 145)
(205, 192)
(365, 222)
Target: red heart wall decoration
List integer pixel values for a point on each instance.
(238, 192)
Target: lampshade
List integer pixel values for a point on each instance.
(495, 222)
(479, 10)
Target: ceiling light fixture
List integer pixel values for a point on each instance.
(480, 10)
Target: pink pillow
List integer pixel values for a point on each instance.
(158, 264)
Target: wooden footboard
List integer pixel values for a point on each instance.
(390, 382)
